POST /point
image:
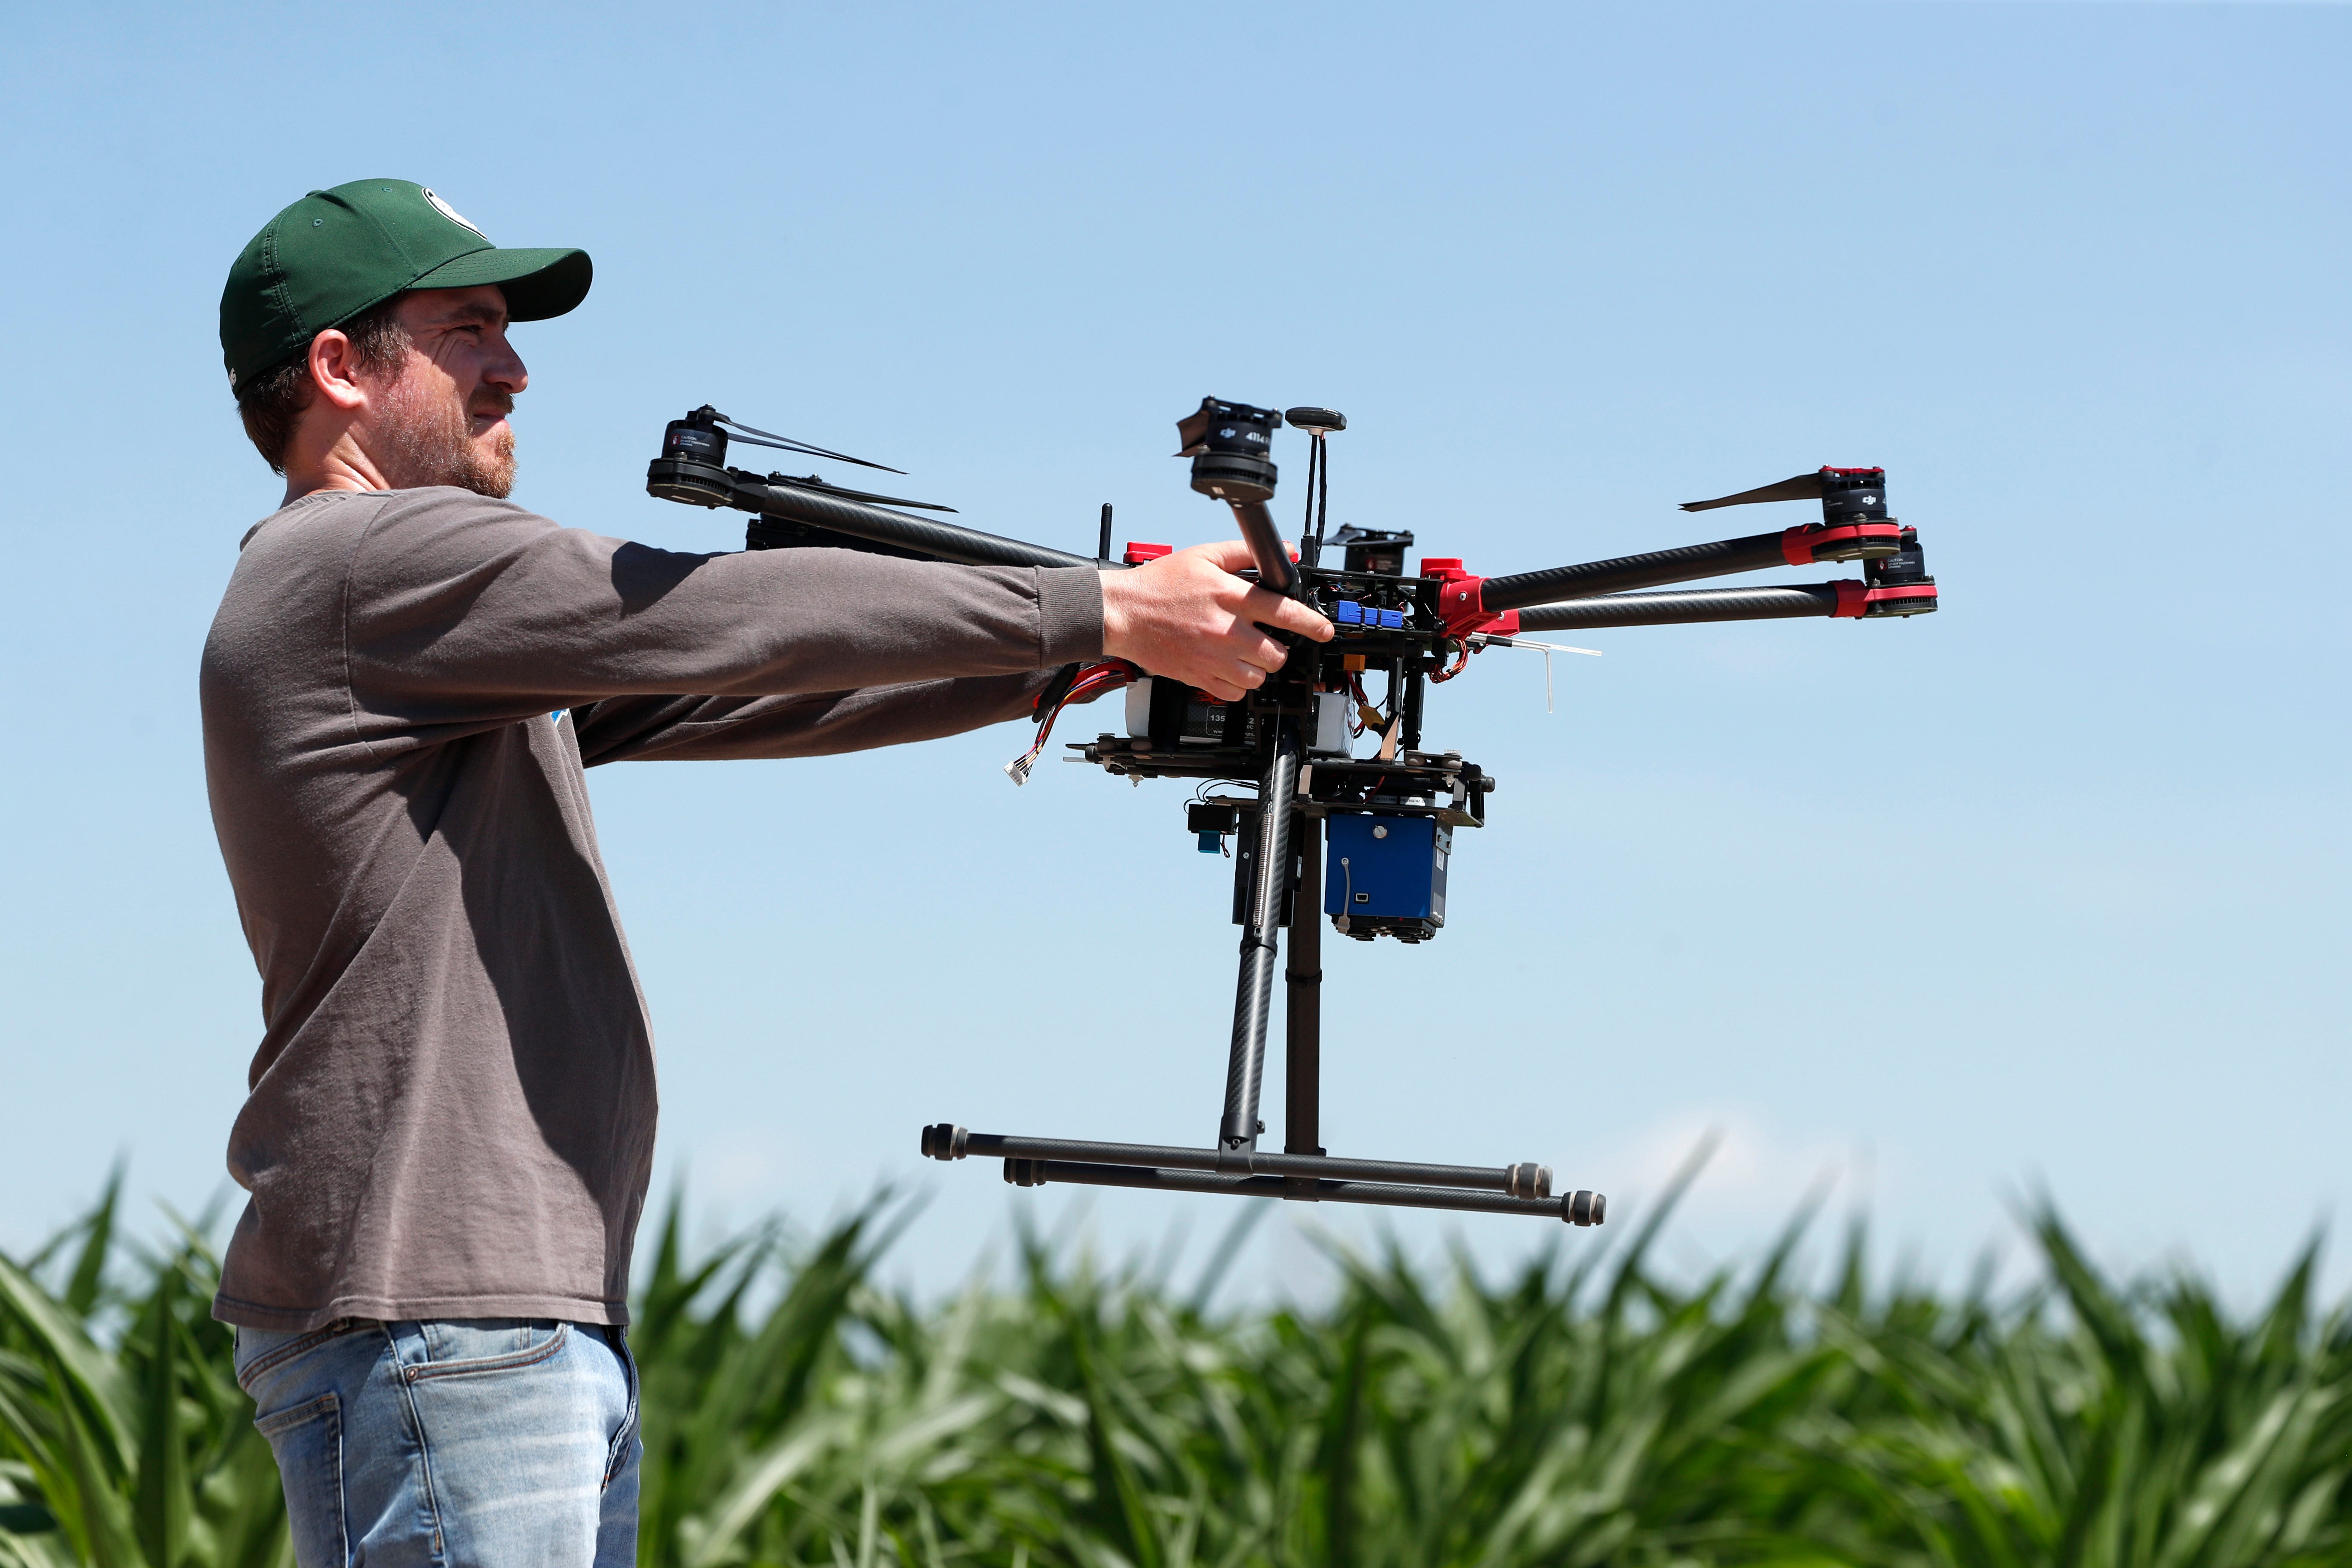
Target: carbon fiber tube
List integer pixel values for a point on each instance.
(1479, 1178)
(1275, 570)
(1674, 609)
(1302, 1034)
(1391, 1193)
(1253, 991)
(1721, 559)
(948, 540)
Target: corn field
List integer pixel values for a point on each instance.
(1584, 1411)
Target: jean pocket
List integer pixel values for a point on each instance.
(262, 1350)
(472, 1347)
(307, 1441)
(617, 1455)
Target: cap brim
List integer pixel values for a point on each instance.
(538, 283)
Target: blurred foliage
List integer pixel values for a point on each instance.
(1586, 1410)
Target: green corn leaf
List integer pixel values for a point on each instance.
(106, 1534)
(87, 1376)
(1588, 1408)
(162, 1500)
(98, 1241)
(764, 1476)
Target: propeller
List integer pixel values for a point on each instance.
(1814, 486)
(739, 431)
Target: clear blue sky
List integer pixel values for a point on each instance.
(2045, 889)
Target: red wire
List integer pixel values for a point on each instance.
(1096, 678)
(1461, 662)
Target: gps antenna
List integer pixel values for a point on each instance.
(1318, 423)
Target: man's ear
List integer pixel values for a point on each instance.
(334, 370)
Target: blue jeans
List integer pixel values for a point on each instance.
(481, 1443)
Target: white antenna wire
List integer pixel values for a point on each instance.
(1547, 649)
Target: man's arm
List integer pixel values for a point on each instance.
(722, 729)
(461, 610)
(1195, 590)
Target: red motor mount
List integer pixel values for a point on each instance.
(1458, 601)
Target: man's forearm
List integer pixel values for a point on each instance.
(719, 729)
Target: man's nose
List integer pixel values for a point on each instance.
(506, 369)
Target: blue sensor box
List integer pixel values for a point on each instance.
(1386, 874)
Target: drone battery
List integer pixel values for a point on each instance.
(1170, 714)
(1386, 874)
(1330, 724)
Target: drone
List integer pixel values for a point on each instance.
(1348, 814)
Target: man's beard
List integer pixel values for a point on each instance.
(429, 441)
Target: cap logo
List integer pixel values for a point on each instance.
(446, 210)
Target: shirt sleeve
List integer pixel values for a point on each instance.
(460, 608)
(818, 723)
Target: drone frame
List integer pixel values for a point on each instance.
(1280, 880)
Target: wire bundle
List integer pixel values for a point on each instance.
(1089, 683)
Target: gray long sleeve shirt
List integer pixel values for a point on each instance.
(452, 1108)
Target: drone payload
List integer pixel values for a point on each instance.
(1348, 814)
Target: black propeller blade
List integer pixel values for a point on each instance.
(739, 431)
(1802, 487)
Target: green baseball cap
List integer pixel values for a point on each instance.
(336, 253)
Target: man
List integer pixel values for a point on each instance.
(451, 1117)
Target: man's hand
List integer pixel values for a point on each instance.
(1188, 617)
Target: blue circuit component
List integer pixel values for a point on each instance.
(1387, 874)
(1211, 843)
(1349, 613)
